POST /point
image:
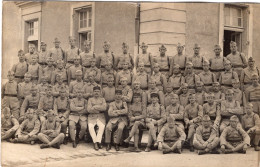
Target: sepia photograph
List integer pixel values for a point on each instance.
(133, 84)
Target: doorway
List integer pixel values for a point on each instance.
(231, 36)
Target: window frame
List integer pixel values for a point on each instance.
(87, 10)
(231, 17)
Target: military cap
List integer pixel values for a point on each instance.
(135, 95)
(249, 105)
(215, 83)
(196, 45)
(232, 43)
(118, 91)
(217, 46)
(140, 63)
(49, 59)
(251, 59)
(124, 45)
(56, 40)
(78, 72)
(229, 91)
(96, 88)
(27, 74)
(205, 62)
(34, 87)
(154, 95)
(10, 73)
(176, 65)
(137, 81)
(235, 81)
(143, 45)
(20, 52)
(174, 95)
(51, 113)
(123, 79)
(31, 45)
(62, 89)
(234, 118)
(180, 46)
(43, 43)
(189, 64)
(162, 47)
(170, 118)
(254, 75)
(199, 83)
(7, 110)
(60, 61)
(77, 57)
(205, 118)
(184, 85)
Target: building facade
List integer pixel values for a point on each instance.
(207, 24)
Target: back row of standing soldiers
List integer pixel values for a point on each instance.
(214, 101)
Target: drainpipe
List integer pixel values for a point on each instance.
(137, 26)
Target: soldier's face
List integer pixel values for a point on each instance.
(106, 47)
(27, 78)
(217, 51)
(192, 99)
(110, 82)
(7, 115)
(251, 63)
(30, 114)
(43, 47)
(87, 47)
(34, 92)
(91, 78)
(210, 99)
(233, 124)
(227, 66)
(144, 49)
(174, 100)
(179, 49)
(206, 124)
(93, 63)
(31, 49)
(80, 94)
(168, 89)
(72, 42)
(62, 94)
(137, 99)
(56, 44)
(118, 96)
(235, 85)
(162, 50)
(205, 67)
(196, 50)
(108, 66)
(51, 118)
(156, 69)
(176, 70)
(199, 88)
(184, 90)
(152, 84)
(34, 60)
(249, 110)
(49, 92)
(189, 69)
(154, 100)
(171, 123)
(44, 80)
(124, 82)
(141, 68)
(10, 77)
(233, 48)
(49, 62)
(60, 65)
(21, 57)
(96, 93)
(229, 96)
(125, 49)
(215, 87)
(137, 86)
(254, 80)
(76, 61)
(125, 66)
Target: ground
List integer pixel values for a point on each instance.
(24, 155)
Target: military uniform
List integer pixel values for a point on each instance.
(125, 57)
(179, 59)
(71, 52)
(46, 103)
(96, 71)
(156, 90)
(62, 108)
(34, 70)
(105, 75)
(127, 93)
(9, 125)
(88, 89)
(43, 54)
(30, 101)
(164, 63)
(61, 72)
(57, 53)
(28, 57)
(47, 72)
(42, 89)
(191, 78)
(213, 111)
(226, 77)
(252, 96)
(197, 61)
(72, 72)
(85, 58)
(145, 58)
(105, 57)
(24, 89)
(176, 80)
(176, 111)
(124, 73)
(57, 87)
(249, 124)
(20, 68)
(160, 80)
(207, 78)
(74, 86)
(143, 78)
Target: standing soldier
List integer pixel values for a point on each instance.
(76, 85)
(207, 77)
(125, 57)
(217, 63)
(234, 138)
(246, 74)
(193, 113)
(179, 59)
(34, 69)
(20, 68)
(48, 70)
(61, 71)
(237, 59)
(93, 69)
(71, 52)
(238, 93)
(28, 130)
(78, 115)
(154, 89)
(144, 57)
(159, 77)
(141, 75)
(88, 87)
(9, 95)
(252, 93)
(32, 51)
(155, 119)
(50, 132)
(171, 137)
(136, 115)
(176, 79)
(58, 86)
(163, 60)
(96, 117)
(72, 70)
(87, 55)
(118, 118)
(219, 95)
(190, 77)
(206, 137)
(127, 92)
(24, 88)
(43, 55)
(31, 101)
(57, 53)
(106, 73)
(9, 124)
(125, 72)
(105, 57)
(197, 59)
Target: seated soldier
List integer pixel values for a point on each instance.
(142, 75)
(78, 115)
(219, 95)
(171, 137)
(155, 118)
(24, 88)
(93, 69)
(176, 110)
(118, 118)
(28, 130)
(206, 137)
(50, 132)
(239, 95)
(184, 94)
(192, 117)
(9, 124)
(250, 123)
(136, 115)
(252, 93)
(78, 84)
(59, 85)
(154, 89)
(177, 79)
(200, 93)
(137, 89)
(125, 72)
(107, 72)
(190, 76)
(88, 87)
(234, 138)
(42, 87)
(168, 94)
(61, 71)
(127, 92)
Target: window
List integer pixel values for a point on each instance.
(233, 16)
(85, 19)
(82, 37)
(33, 28)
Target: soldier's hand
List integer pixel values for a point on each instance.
(249, 131)
(160, 146)
(205, 144)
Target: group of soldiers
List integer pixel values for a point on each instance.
(55, 95)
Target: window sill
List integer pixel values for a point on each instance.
(237, 29)
(81, 30)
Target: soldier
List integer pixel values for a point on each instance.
(250, 122)
(142, 75)
(78, 84)
(59, 85)
(193, 113)
(207, 77)
(197, 59)
(43, 86)
(88, 87)
(225, 78)
(167, 96)
(105, 57)
(237, 59)
(137, 89)
(57, 53)
(96, 108)
(20, 68)
(171, 137)
(124, 72)
(72, 70)
(28, 130)
(144, 57)
(252, 93)
(190, 77)
(71, 52)
(46, 103)
(61, 71)
(179, 59)
(219, 95)
(87, 55)
(206, 137)
(136, 115)
(176, 110)
(176, 79)
(118, 118)
(62, 108)
(184, 95)
(228, 108)
(217, 63)
(43, 54)
(159, 77)
(246, 74)
(234, 138)
(24, 88)
(34, 69)
(200, 93)
(109, 91)
(31, 101)
(125, 57)
(78, 115)
(93, 69)
(9, 125)
(48, 70)
(154, 89)
(238, 94)
(155, 119)
(9, 95)
(163, 60)
(127, 92)
(32, 51)
(106, 73)
(50, 132)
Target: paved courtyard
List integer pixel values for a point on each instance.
(23, 155)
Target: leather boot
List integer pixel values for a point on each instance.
(257, 148)
(166, 151)
(201, 152)
(99, 145)
(117, 147)
(57, 145)
(74, 144)
(96, 146)
(44, 146)
(228, 151)
(108, 147)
